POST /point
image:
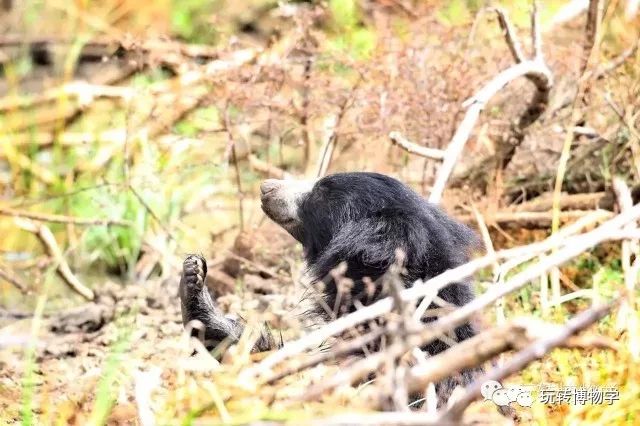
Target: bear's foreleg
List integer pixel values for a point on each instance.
(197, 305)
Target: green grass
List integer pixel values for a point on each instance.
(111, 378)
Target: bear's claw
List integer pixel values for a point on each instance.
(194, 271)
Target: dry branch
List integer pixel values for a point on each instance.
(414, 148)
(536, 70)
(630, 248)
(516, 335)
(13, 280)
(543, 345)
(23, 162)
(337, 351)
(618, 60)
(631, 9)
(328, 144)
(115, 136)
(544, 202)
(54, 111)
(332, 127)
(568, 12)
(592, 30)
(538, 219)
(54, 218)
(83, 91)
(47, 238)
(224, 63)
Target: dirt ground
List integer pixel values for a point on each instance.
(141, 326)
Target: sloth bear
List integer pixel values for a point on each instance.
(359, 221)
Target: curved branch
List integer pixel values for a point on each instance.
(536, 71)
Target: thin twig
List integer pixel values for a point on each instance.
(536, 36)
(509, 35)
(234, 158)
(592, 33)
(498, 277)
(618, 60)
(53, 218)
(589, 49)
(47, 239)
(330, 142)
(13, 280)
(266, 168)
(336, 351)
(151, 212)
(414, 148)
(83, 91)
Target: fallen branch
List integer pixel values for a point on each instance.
(47, 239)
(151, 212)
(542, 346)
(544, 202)
(517, 335)
(539, 219)
(54, 111)
(631, 9)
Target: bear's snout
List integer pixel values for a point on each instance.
(269, 186)
(281, 200)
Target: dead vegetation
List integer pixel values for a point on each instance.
(141, 149)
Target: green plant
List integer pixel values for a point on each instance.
(190, 20)
(108, 386)
(349, 32)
